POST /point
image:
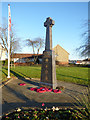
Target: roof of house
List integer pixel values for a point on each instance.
(58, 46)
(19, 55)
(23, 55)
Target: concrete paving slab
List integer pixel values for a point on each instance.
(15, 96)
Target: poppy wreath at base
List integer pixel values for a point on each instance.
(33, 89)
(22, 84)
(44, 89)
(57, 91)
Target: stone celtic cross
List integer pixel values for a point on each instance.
(48, 24)
(48, 71)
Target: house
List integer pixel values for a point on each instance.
(72, 61)
(61, 55)
(84, 62)
(78, 62)
(2, 53)
(25, 58)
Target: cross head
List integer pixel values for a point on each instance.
(49, 22)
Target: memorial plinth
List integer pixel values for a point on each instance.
(48, 71)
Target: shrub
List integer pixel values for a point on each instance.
(24, 64)
(84, 102)
(46, 114)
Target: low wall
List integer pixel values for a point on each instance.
(24, 64)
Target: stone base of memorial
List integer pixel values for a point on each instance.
(48, 72)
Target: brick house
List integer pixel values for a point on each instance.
(61, 55)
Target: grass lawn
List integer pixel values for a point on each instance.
(69, 74)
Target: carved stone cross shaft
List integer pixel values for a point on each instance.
(48, 24)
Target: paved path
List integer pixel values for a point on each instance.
(14, 95)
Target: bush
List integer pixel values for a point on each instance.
(47, 114)
(83, 101)
(78, 65)
(24, 64)
(11, 62)
(5, 62)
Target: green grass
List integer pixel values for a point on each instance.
(69, 74)
(73, 74)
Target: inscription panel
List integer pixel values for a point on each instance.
(47, 70)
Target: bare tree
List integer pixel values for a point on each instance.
(14, 41)
(36, 45)
(84, 49)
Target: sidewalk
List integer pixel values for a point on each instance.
(16, 96)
